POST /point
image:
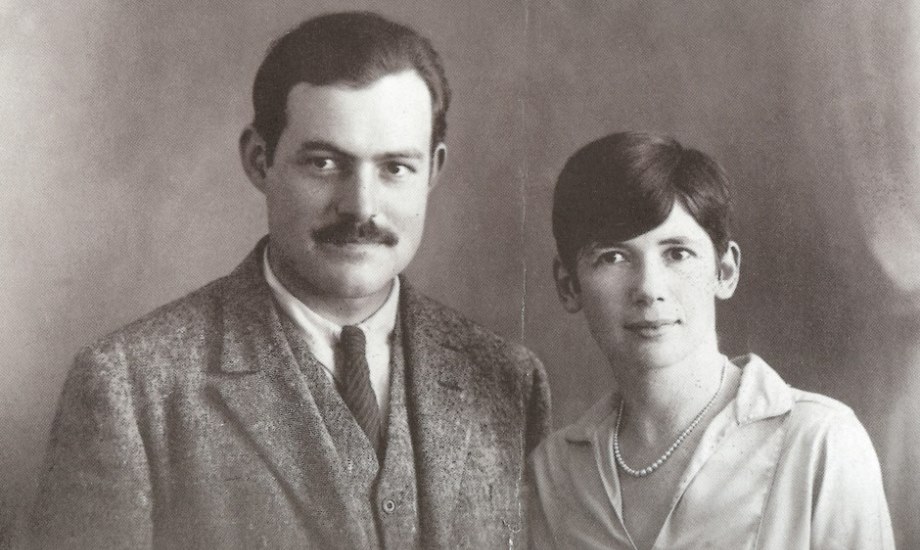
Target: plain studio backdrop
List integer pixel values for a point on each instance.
(122, 189)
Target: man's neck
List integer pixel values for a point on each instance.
(341, 311)
(344, 311)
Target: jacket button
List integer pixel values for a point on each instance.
(389, 506)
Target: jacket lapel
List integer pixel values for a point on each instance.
(438, 383)
(262, 390)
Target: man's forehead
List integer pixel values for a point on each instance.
(392, 113)
(408, 81)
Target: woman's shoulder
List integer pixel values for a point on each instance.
(763, 392)
(814, 408)
(811, 420)
(826, 424)
(557, 449)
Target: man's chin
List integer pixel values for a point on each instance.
(357, 282)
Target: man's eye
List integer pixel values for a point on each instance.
(679, 254)
(398, 169)
(324, 164)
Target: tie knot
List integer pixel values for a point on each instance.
(352, 340)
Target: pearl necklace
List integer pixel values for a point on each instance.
(680, 438)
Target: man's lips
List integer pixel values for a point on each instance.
(349, 243)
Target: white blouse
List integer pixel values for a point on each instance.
(777, 468)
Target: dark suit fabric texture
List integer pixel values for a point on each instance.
(208, 424)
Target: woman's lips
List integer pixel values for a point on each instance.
(651, 329)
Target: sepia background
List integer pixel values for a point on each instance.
(121, 186)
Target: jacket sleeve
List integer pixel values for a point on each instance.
(538, 423)
(850, 510)
(539, 415)
(539, 535)
(95, 489)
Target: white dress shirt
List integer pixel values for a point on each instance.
(322, 335)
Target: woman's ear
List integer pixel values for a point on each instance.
(567, 287)
(729, 271)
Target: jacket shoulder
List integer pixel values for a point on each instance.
(173, 344)
(191, 320)
(465, 335)
(509, 379)
(171, 326)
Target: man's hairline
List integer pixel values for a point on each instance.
(354, 85)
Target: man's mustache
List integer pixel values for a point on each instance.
(351, 232)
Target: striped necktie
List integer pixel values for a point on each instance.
(355, 384)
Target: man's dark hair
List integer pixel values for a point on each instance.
(625, 184)
(351, 48)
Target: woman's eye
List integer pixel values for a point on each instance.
(610, 257)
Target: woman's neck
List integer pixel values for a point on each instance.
(661, 402)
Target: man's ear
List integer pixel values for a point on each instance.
(254, 156)
(438, 158)
(729, 271)
(567, 287)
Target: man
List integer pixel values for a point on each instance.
(311, 398)
(690, 450)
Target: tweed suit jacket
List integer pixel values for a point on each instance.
(193, 427)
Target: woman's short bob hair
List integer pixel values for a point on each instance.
(626, 184)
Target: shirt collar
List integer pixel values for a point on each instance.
(761, 394)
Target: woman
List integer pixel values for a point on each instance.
(693, 450)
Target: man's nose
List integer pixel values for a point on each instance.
(358, 194)
(650, 282)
